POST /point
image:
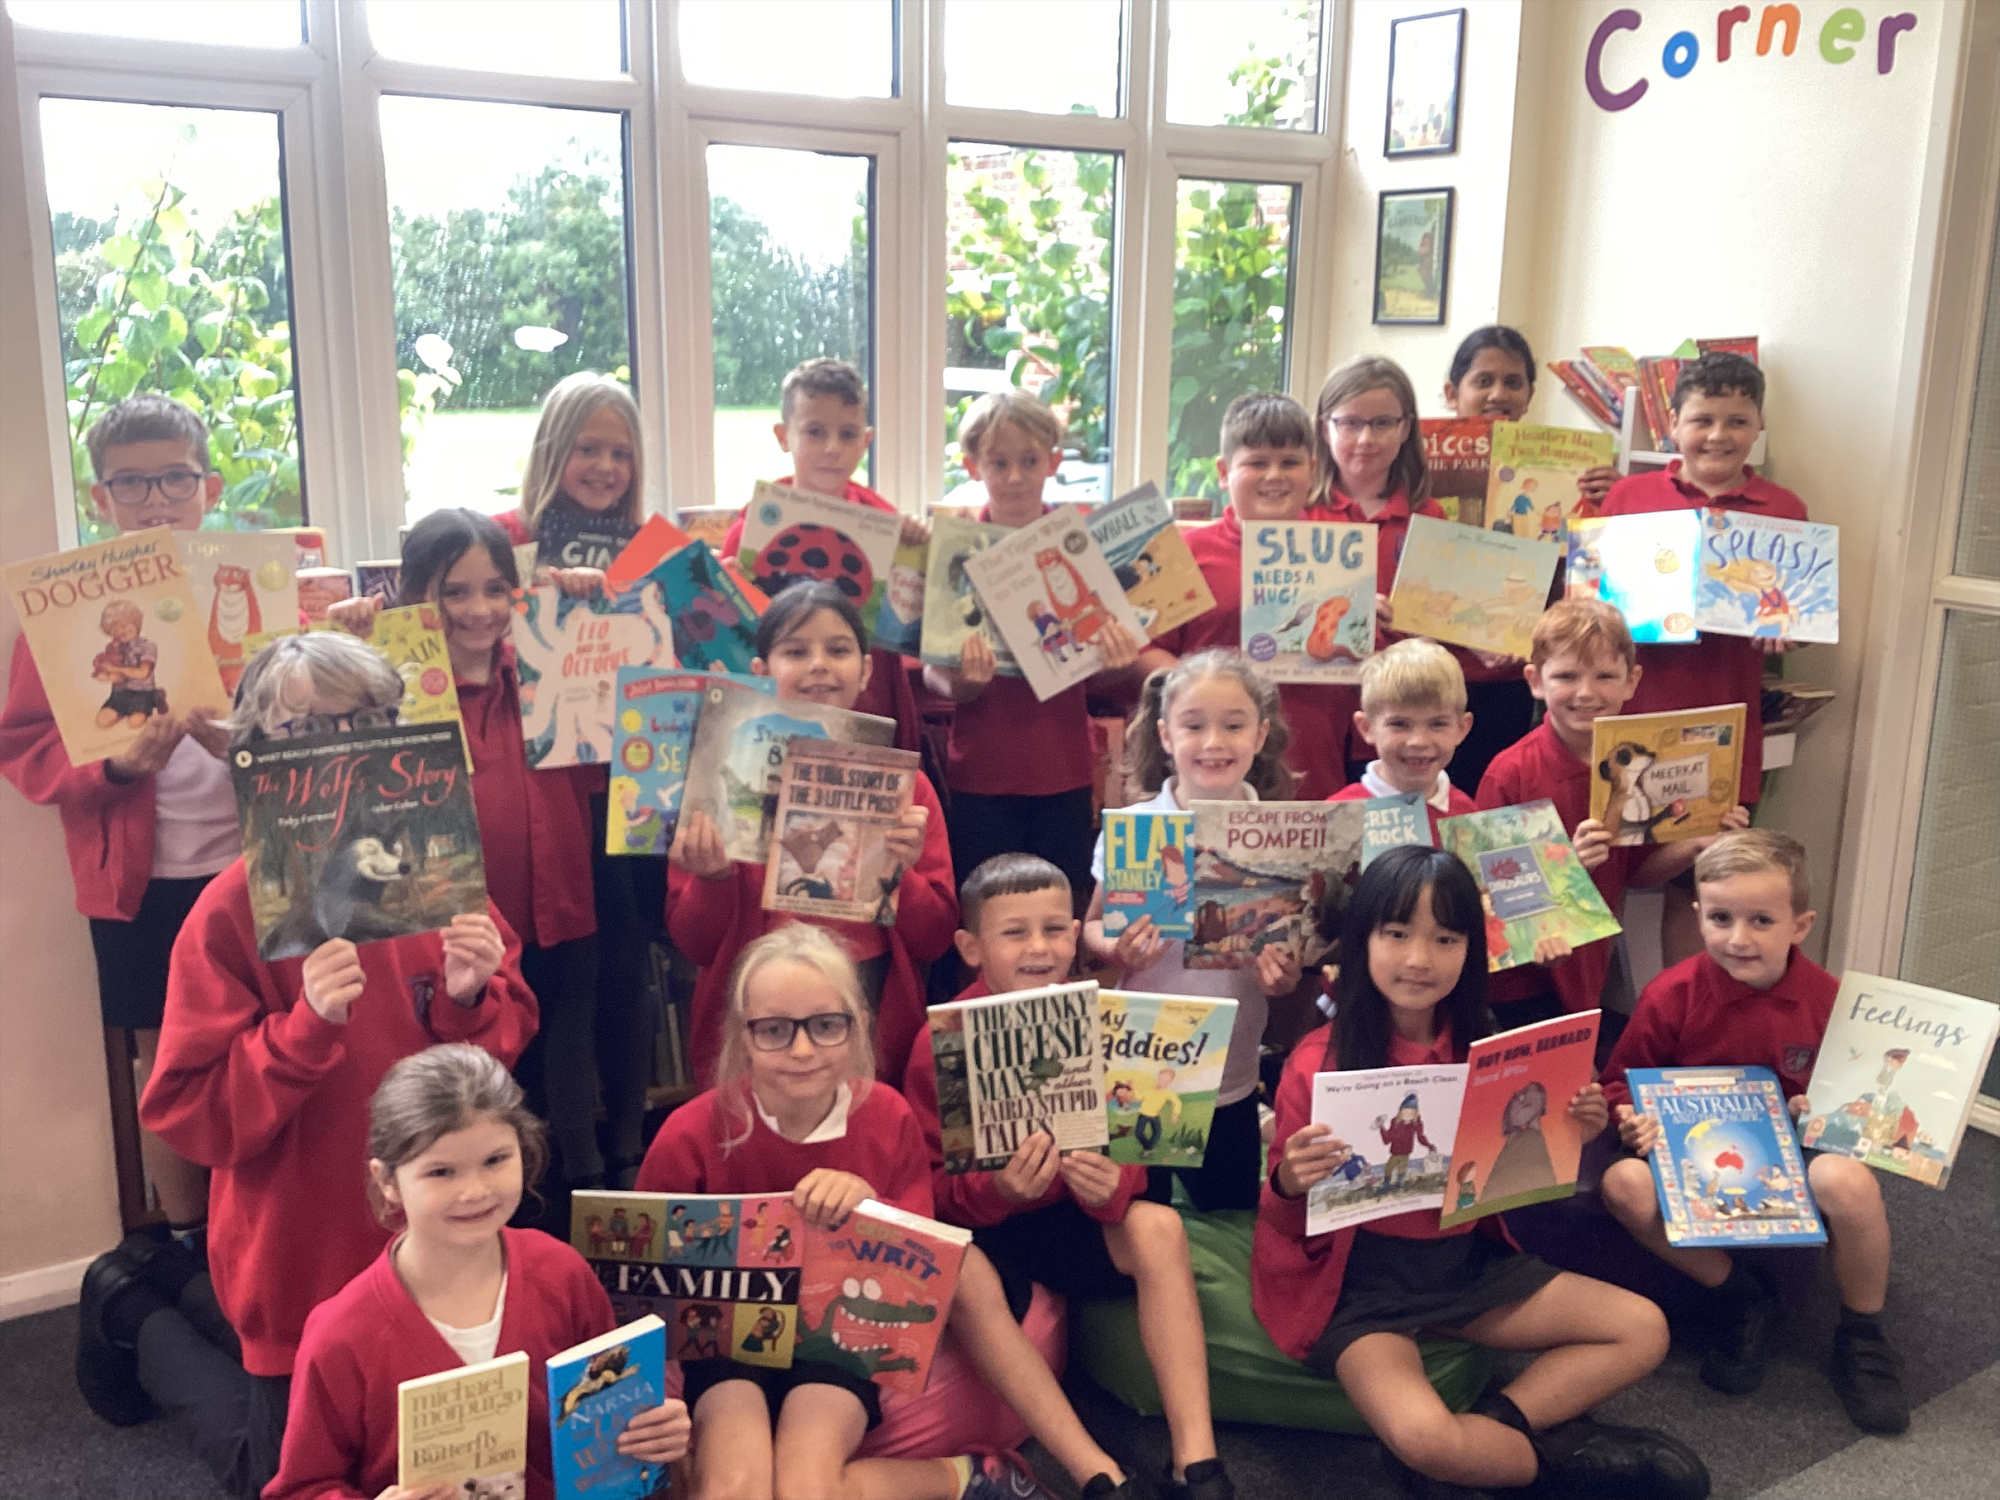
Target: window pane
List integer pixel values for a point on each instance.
(998, 55)
(169, 234)
(240, 23)
(790, 281)
(1029, 245)
(1249, 62)
(1979, 507)
(507, 242)
(558, 38)
(1232, 304)
(843, 49)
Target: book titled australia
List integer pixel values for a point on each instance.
(1010, 1065)
(1147, 873)
(1308, 599)
(1531, 883)
(829, 856)
(1768, 578)
(1643, 566)
(1655, 778)
(875, 1294)
(1458, 453)
(1533, 487)
(792, 534)
(245, 583)
(1270, 873)
(596, 1388)
(1163, 1057)
(1395, 1129)
(1516, 1143)
(1726, 1166)
(1482, 589)
(1150, 557)
(567, 651)
(466, 1427)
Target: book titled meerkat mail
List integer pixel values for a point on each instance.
(466, 1427)
(1010, 1065)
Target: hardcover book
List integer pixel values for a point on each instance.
(1535, 470)
(1010, 1065)
(1516, 1143)
(836, 803)
(1163, 1057)
(1483, 589)
(1395, 1126)
(466, 1427)
(1898, 1070)
(1051, 593)
(952, 607)
(1458, 453)
(1147, 873)
(568, 536)
(900, 625)
(1766, 578)
(568, 652)
(1150, 557)
(245, 583)
(1387, 822)
(1642, 566)
(714, 612)
(1308, 599)
(1271, 872)
(381, 580)
(1530, 881)
(653, 718)
(596, 1388)
(1655, 778)
(791, 534)
(1726, 1166)
(875, 1294)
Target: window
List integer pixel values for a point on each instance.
(238, 23)
(562, 38)
(1249, 62)
(842, 49)
(997, 58)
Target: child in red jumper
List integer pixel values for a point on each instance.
(811, 643)
(451, 1147)
(1348, 1304)
(1752, 998)
(585, 459)
(1413, 715)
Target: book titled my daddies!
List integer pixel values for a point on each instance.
(1163, 1057)
(1010, 1065)
(596, 1388)
(1726, 1166)
(466, 1427)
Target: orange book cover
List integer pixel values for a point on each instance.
(876, 1292)
(1516, 1142)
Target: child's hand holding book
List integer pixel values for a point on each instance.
(827, 1197)
(357, 615)
(1092, 1178)
(149, 752)
(697, 846)
(1588, 1109)
(657, 1435)
(1638, 1133)
(1310, 1157)
(333, 980)
(1030, 1170)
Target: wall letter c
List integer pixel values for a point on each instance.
(1593, 75)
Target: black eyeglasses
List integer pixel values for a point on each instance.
(134, 491)
(775, 1033)
(360, 718)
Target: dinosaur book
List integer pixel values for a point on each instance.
(791, 534)
(1308, 599)
(568, 652)
(466, 1427)
(829, 859)
(1726, 1166)
(245, 582)
(1482, 589)
(1271, 872)
(1150, 557)
(1516, 1143)
(1147, 871)
(1530, 881)
(595, 1389)
(875, 1293)
(1655, 778)
(1769, 578)
(1163, 1057)
(1532, 487)
(1010, 1065)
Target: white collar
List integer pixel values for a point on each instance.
(832, 1128)
(1171, 792)
(1440, 796)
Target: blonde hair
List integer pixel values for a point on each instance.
(1412, 673)
(573, 402)
(1751, 851)
(432, 1093)
(1146, 760)
(1587, 627)
(1034, 420)
(120, 609)
(818, 949)
(1357, 377)
(284, 679)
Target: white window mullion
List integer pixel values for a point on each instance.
(1146, 324)
(653, 369)
(931, 213)
(48, 328)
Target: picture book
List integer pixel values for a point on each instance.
(117, 637)
(595, 1389)
(466, 1427)
(736, 758)
(1396, 1127)
(1308, 599)
(568, 651)
(1163, 1057)
(789, 534)
(1271, 872)
(1010, 1065)
(653, 717)
(952, 607)
(1483, 589)
(411, 637)
(1642, 566)
(365, 835)
(900, 625)
(1050, 593)
(1655, 778)
(836, 803)
(1898, 1069)
(320, 589)
(310, 543)
(1530, 881)
(245, 582)
(875, 1293)
(720, 1270)
(1763, 577)
(568, 536)
(1516, 1143)
(714, 612)
(1535, 469)
(381, 581)
(1458, 453)
(1387, 822)
(1146, 872)
(1151, 560)
(1726, 1166)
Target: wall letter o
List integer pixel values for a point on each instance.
(1680, 55)
(1844, 25)
(1593, 75)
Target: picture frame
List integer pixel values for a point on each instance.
(1412, 255)
(1426, 67)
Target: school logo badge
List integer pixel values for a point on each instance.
(1798, 1059)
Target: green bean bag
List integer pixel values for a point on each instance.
(1249, 1379)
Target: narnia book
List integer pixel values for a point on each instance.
(1642, 566)
(245, 583)
(1726, 1166)
(568, 536)
(117, 637)
(836, 803)
(1655, 778)
(1530, 881)
(1163, 1057)
(1458, 453)
(466, 1427)
(1147, 872)
(1308, 599)
(1010, 1065)
(568, 652)
(1516, 1143)
(1535, 470)
(1271, 872)
(952, 607)
(1483, 589)
(790, 534)
(875, 1293)
(1898, 1070)
(1387, 822)
(596, 1388)
(1151, 560)
(1766, 578)
(1395, 1126)
(900, 625)
(1050, 594)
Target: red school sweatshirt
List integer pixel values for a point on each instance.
(359, 1344)
(252, 1084)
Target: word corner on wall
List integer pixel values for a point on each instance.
(1742, 34)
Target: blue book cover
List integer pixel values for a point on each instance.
(1308, 611)
(714, 621)
(652, 728)
(595, 1389)
(1727, 1166)
(1147, 872)
(1389, 821)
(1766, 578)
(1642, 566)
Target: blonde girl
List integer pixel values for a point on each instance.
(585, 459)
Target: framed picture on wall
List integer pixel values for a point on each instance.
(1412, 255)
(1425, 54)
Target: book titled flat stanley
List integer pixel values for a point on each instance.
(1531, 883)
(568, 652)
(792, 534)
(596, 1388)
(1163, 1057)
(467, 1428)
(1726, 1167)
(1147, 552)
(1655, 778)
(1308, 599)
(874, 1294)
(837, 803)
(1766, 577)
(1271, 872)
(1010, 1065)
(1051, 594)
(1147, 872)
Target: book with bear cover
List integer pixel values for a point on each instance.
(568, 536)
(1533, 488)
(1163, 1057)
(1271, 872)
(1530, 881)
(655, 715)
(1395, 1127)
(466, 1427)
(714, 610)
(1308, 599)
(1655, 778)
(1458, 455)
(1727, 1167)
(836, 802)
(596, 1388)
(1897, 1073)
(1151, 559)
(567, 652)
(874, 1294)
(245, 583)
(1050, 594)
(1642, 566)
(1768, 578)
(791, 534)
(117, 637)
(1010, 1065)
(1147, 872)
(952, 607)
(1516, 1143)
(1390, 822)
(1482, 589)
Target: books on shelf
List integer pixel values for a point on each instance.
(1643, 566)
(875, 1294)
(1516, 1143)
(1387, 822)
(952, 607)
(567, 652)
(596, 1388)
(791, 534)
(1270, 873)
(466, 1427)
(1530, 881)
(1768, 578)
(1482, 589)
(1584, 392)
(245, 583)
(1155, 568)
(1050, 593)
(1727, 1167)
(1308, 611)
(836, 804)
(1163, 1060)
(1147, 871)
(1786, 705)
(1010, 1065)
(1533, 489)
(1396, 1126)
(1458, 455)
(1656, 778)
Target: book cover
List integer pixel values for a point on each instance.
(1387, 822)
(1163, 1057)
(1745, 345)
(245, 582)
(1615, 363)
(1397, 1126)
(1655, 778)
(117, 637)
(952, 607)
(1582, 391)
(381, 581)
(366, 835)
(736, 759)
(466, 1427)
(1763, 577)
(1727, 1166)
(1308, 599)
(568, 652)
(411, 639)
(1535, 470)
(900, 625)
(836, 802)
(1530, 881)
(1642, 566)
(1483, 589)
(1271, 872)
(310, 544)
(1458, 453)
(1010, 1065)
(875, 1294)
(1516, 1143)
(790, 534)
(714, 613)
(653, 718)
(1898, 1070)
(1151, 560)
(1050, 594)
(595, 1389)
(568, 536)
(1146, 872)
(320, 589)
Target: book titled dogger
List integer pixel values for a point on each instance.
(836, 805)
(1010, 1065)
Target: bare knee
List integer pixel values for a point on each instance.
(1424, 1438)
(730, 1479)
(1846, 1190)
(1627, 1189)
(1152, 1239)
(1642, 1328)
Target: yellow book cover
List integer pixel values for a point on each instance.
(117, 637)
(1482, 589)
(1655, 778)
(245, 583)
(467, 1427)
(1531, 485)
(412, 637)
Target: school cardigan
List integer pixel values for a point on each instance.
(340, 1433)
(1695, 1016)
(1717, 668)
(253, 1084)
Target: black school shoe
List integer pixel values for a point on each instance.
(1206, 1480)
(1867, 1374)
(1586, 1460)
(1422, 1486)
(1100, 1487)
(107, 1373)
(1739, 1348)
